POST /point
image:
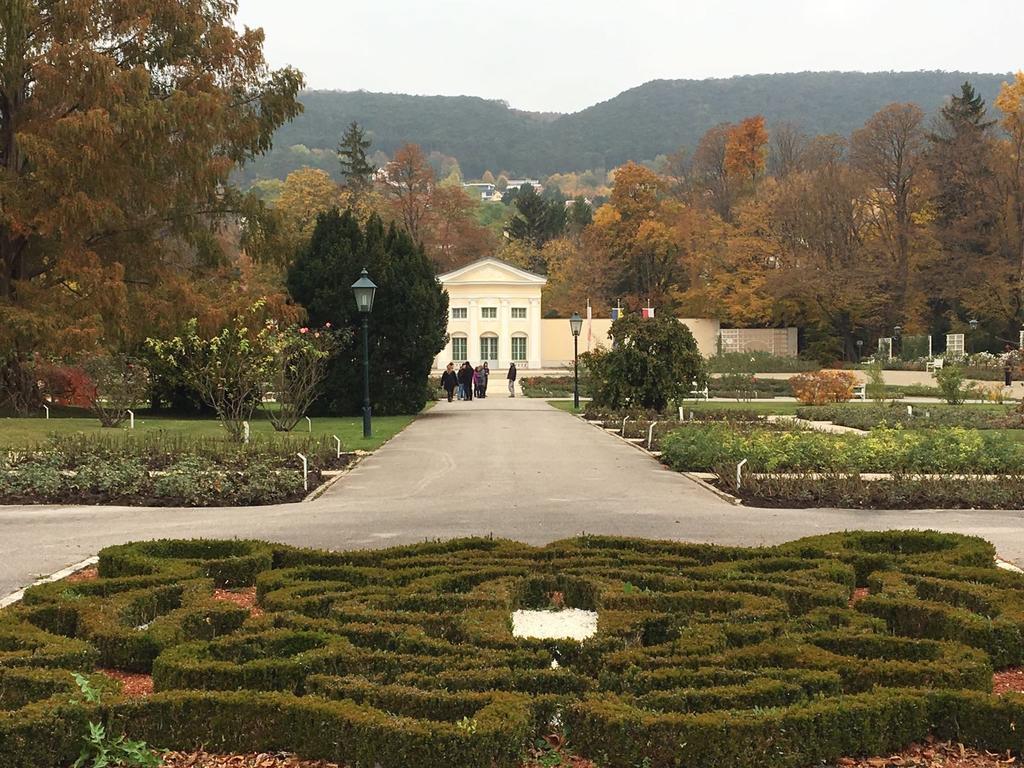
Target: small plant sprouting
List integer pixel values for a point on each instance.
(104, 751)
(466, 724)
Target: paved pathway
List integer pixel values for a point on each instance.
(513, 468)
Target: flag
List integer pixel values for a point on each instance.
(590, 325)
(648, 312)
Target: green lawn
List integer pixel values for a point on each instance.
(18, 432)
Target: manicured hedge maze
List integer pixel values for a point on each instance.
(705, 656)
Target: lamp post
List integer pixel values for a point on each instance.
(860, 350)
(576, 324)
(364, 290)
(973, 322)
(897, 334)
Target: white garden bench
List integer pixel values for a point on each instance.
(934, 365)
(699, 394)
(860, 392)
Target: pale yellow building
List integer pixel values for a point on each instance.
(495, 315)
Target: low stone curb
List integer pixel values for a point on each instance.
(63, 573)
(637, 442)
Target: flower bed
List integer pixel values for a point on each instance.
(704, 656)
(922, 416)
(157, 471)
(853, 492)
(706, 447)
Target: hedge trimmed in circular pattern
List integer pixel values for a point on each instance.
(705, 656)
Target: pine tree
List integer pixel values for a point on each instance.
(538, 219)
(355, 168)
(960, 156)
(409, 322)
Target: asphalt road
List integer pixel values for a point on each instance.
(514, 468)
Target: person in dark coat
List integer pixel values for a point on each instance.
(512, 374)
(485, 374)
(449, 380)
(466, 379)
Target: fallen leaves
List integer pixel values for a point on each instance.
(858, 594)
(934, 754)
(133, 685)
(1008, 681)
(244, 598)
(203, 759)
(86, 574)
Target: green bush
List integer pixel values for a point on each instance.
(922, 416)
(704, 656)
(700, 447)
(652, 362)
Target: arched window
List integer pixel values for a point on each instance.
(519, 348)
(489, 347)
(460, 347)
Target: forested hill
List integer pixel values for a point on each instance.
(639, 124)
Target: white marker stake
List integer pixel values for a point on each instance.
(650, 435)
(305, 472)
(623, 432)
(310, 422)
(739, 473)
(47, 409)
(910, 410)
(245, 431)
(680, 413)
(131, 416)
(337, 441)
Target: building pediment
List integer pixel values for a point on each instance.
(491, 271)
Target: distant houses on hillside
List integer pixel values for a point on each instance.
(490, 193)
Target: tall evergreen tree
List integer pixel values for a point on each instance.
(356, 169)
(410, 314)
(961, 157)
(538, 219)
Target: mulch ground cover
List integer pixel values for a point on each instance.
(243, 598)
(932, 754)
(265, 760)
(927, 755)
(86, 574)
(1008, 681)
(133, 685)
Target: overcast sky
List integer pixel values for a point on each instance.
(564, 55)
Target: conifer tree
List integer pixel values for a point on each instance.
(409, 322)
(356, 169)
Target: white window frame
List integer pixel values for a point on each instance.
(489, 340)
(519, 313)
(465, 347)
(488, 313)
(524, 355)
(460, 313)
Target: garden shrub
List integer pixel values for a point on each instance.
(921, 416)
(709, 447)
(820, 387)
(705, 655)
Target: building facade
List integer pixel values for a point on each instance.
(495, 315)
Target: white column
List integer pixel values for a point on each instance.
(533, 344)
(473, 343)
(505, 340)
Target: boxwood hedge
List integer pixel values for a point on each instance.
(704, 655)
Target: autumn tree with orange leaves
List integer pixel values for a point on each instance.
(121, 122)
(746, 149)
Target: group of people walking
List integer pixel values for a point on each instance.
(468, 382)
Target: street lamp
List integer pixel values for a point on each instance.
(576, 324)
(897, 332)
(860, 349)
(973, 322)
(364, 290)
